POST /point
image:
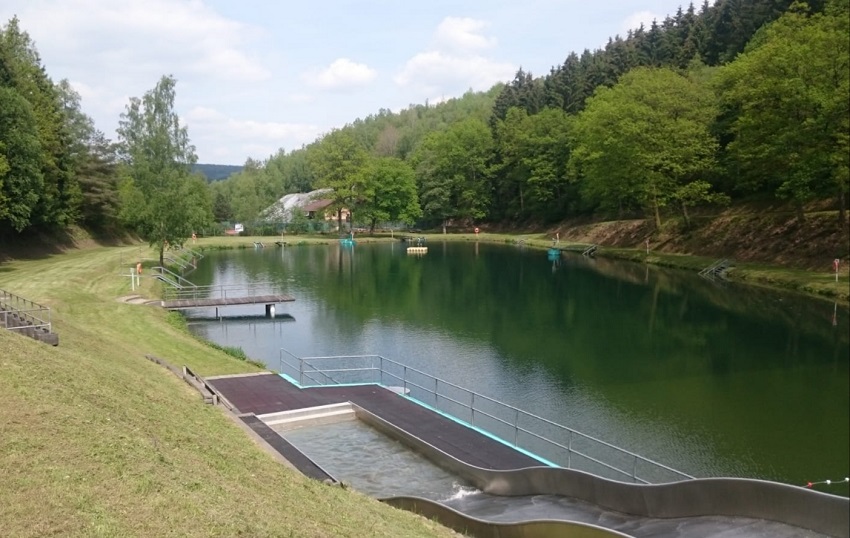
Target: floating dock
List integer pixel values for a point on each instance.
(417, 250)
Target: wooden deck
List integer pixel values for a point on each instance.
(179, 304)
(269, 393)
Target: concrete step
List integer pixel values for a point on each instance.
(323, 414)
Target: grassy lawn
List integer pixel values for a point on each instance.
(95, 440)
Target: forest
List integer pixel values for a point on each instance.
(732, 101)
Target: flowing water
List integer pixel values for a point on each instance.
(711, 379)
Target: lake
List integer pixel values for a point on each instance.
(713, 379)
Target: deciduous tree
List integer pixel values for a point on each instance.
(641, 140)
(162, 200)
(21, 157)
(389, 192)
(453, 169)
(791, 91)
(337, 162)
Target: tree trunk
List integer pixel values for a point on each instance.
(842, 209)
(801, 215)
(686, 216)
(657, 211)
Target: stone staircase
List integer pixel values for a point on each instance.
(27, 318)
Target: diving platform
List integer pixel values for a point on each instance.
(182, 304)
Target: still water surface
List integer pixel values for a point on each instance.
(710, 379)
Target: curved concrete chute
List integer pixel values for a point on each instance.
(481, 528)
(753, 500)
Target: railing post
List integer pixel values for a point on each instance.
(472, 408)
(436, 399)
(404, 380)
(570, 450)
(516, 425)
(634, 468)
(301, 372)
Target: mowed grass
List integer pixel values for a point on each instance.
(95, 440)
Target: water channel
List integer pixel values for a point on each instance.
(711, 379)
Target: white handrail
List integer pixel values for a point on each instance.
(308, 365)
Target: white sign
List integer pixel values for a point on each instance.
(239, 228)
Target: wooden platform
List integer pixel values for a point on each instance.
(269, 393)
(179, 304)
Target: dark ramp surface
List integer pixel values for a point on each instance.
(267, 393)
(285, 448)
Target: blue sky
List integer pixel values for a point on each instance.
(254, 76)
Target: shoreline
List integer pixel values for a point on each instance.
(819, 285)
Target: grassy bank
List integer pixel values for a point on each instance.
(820, 284)
(95, 440)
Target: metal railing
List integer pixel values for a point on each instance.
(717, 268)
(18, 313)
(178, 261)
(191, 252)
(220, 291)
(560, 445)
(173, 279)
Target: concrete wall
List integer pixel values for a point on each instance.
(736, 497)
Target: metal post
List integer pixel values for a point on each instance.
(436, 399)
(301, 372)
(472, 408)
(634, 468)
(570, 450)
(516, 425)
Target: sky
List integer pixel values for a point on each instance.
(257, 76)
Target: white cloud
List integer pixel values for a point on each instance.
(633, 21)
(463, 34)
(221, 134)
(435, 70)
(155, 37)
(341, 74)
(455, 64)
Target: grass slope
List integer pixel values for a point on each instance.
(97, 441)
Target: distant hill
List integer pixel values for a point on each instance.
(216, 172)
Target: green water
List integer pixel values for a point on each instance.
(713, 380)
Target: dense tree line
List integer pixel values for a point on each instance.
(737, 99)
(731, 100)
